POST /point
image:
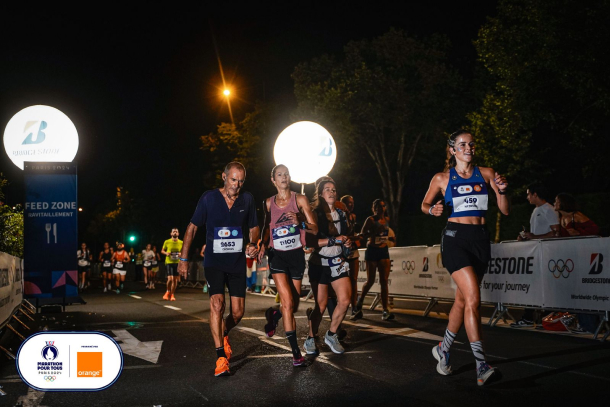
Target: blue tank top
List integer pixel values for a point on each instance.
(466, 197)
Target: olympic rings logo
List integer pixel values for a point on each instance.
(50, 378)
(408, 266)
(561, 268)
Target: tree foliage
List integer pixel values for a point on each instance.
(383, 101)
(551, 100)
(11, 225)
(249, 141)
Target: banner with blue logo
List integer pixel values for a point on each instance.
(50, 230)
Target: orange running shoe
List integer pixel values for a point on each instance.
(222, 367)
(173, 298)
(166, 296)
(227, 346)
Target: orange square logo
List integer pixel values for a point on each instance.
(88, 364)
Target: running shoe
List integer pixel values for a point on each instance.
(277, 298)
(310, 347)
(227, 346)
(117, 291)
(105, 289)
(357, 315)
(109, 287)
(271, 323)
(443, 366)
(298, 362)
(222, 367)
(484, 373)
(121, 286)
(172, 298)
(333, 343)
(522, 323)
(387, 316)
(166, 296)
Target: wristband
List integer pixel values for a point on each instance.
(331, 242)
(303, 225)
(430, 210)
(181, 259)
(502, 192)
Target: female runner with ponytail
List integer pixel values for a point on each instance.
(465, 241)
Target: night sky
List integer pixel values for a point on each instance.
(141, 83)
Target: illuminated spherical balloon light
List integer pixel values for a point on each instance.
(40, 134)
(307, 149)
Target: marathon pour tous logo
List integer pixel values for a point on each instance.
(561, 268)
(596, 263)
(49, 351)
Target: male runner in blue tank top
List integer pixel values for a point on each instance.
(465, 242)
(225, 213)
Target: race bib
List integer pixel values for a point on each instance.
(379, 240)
(174, 255)
(228, 240)
(470, 197)
(83, 263)
(336, 264)
(286, 238)
(147, 263)
(118, 265)
(470, 203)
(107, 263)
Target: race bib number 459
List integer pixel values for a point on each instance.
(228, 240)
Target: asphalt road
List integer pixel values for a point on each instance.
(385, 362)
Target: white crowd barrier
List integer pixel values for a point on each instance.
(11, 286)
(566, 274)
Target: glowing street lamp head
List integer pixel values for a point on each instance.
(307, 149)
(226, 92)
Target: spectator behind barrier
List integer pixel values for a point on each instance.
(573, 222)
(544, 223)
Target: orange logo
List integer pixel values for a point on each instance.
(89, 364)
(477, 188)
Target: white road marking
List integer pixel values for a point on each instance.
(285, 355)
(135, 296)
(405, 331)
(130, 345)
(32, 399)
(175, 308)
(256, 332)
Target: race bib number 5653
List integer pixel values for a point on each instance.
(228, 240)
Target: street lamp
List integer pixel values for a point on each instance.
(226, 92)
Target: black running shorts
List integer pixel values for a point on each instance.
(172, 269)
(376, 253)
(217, 279)
(323, 274)
(291, 262)
(465, 245)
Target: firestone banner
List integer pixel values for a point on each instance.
(514, 275)
(555, 273)
(50, 230)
